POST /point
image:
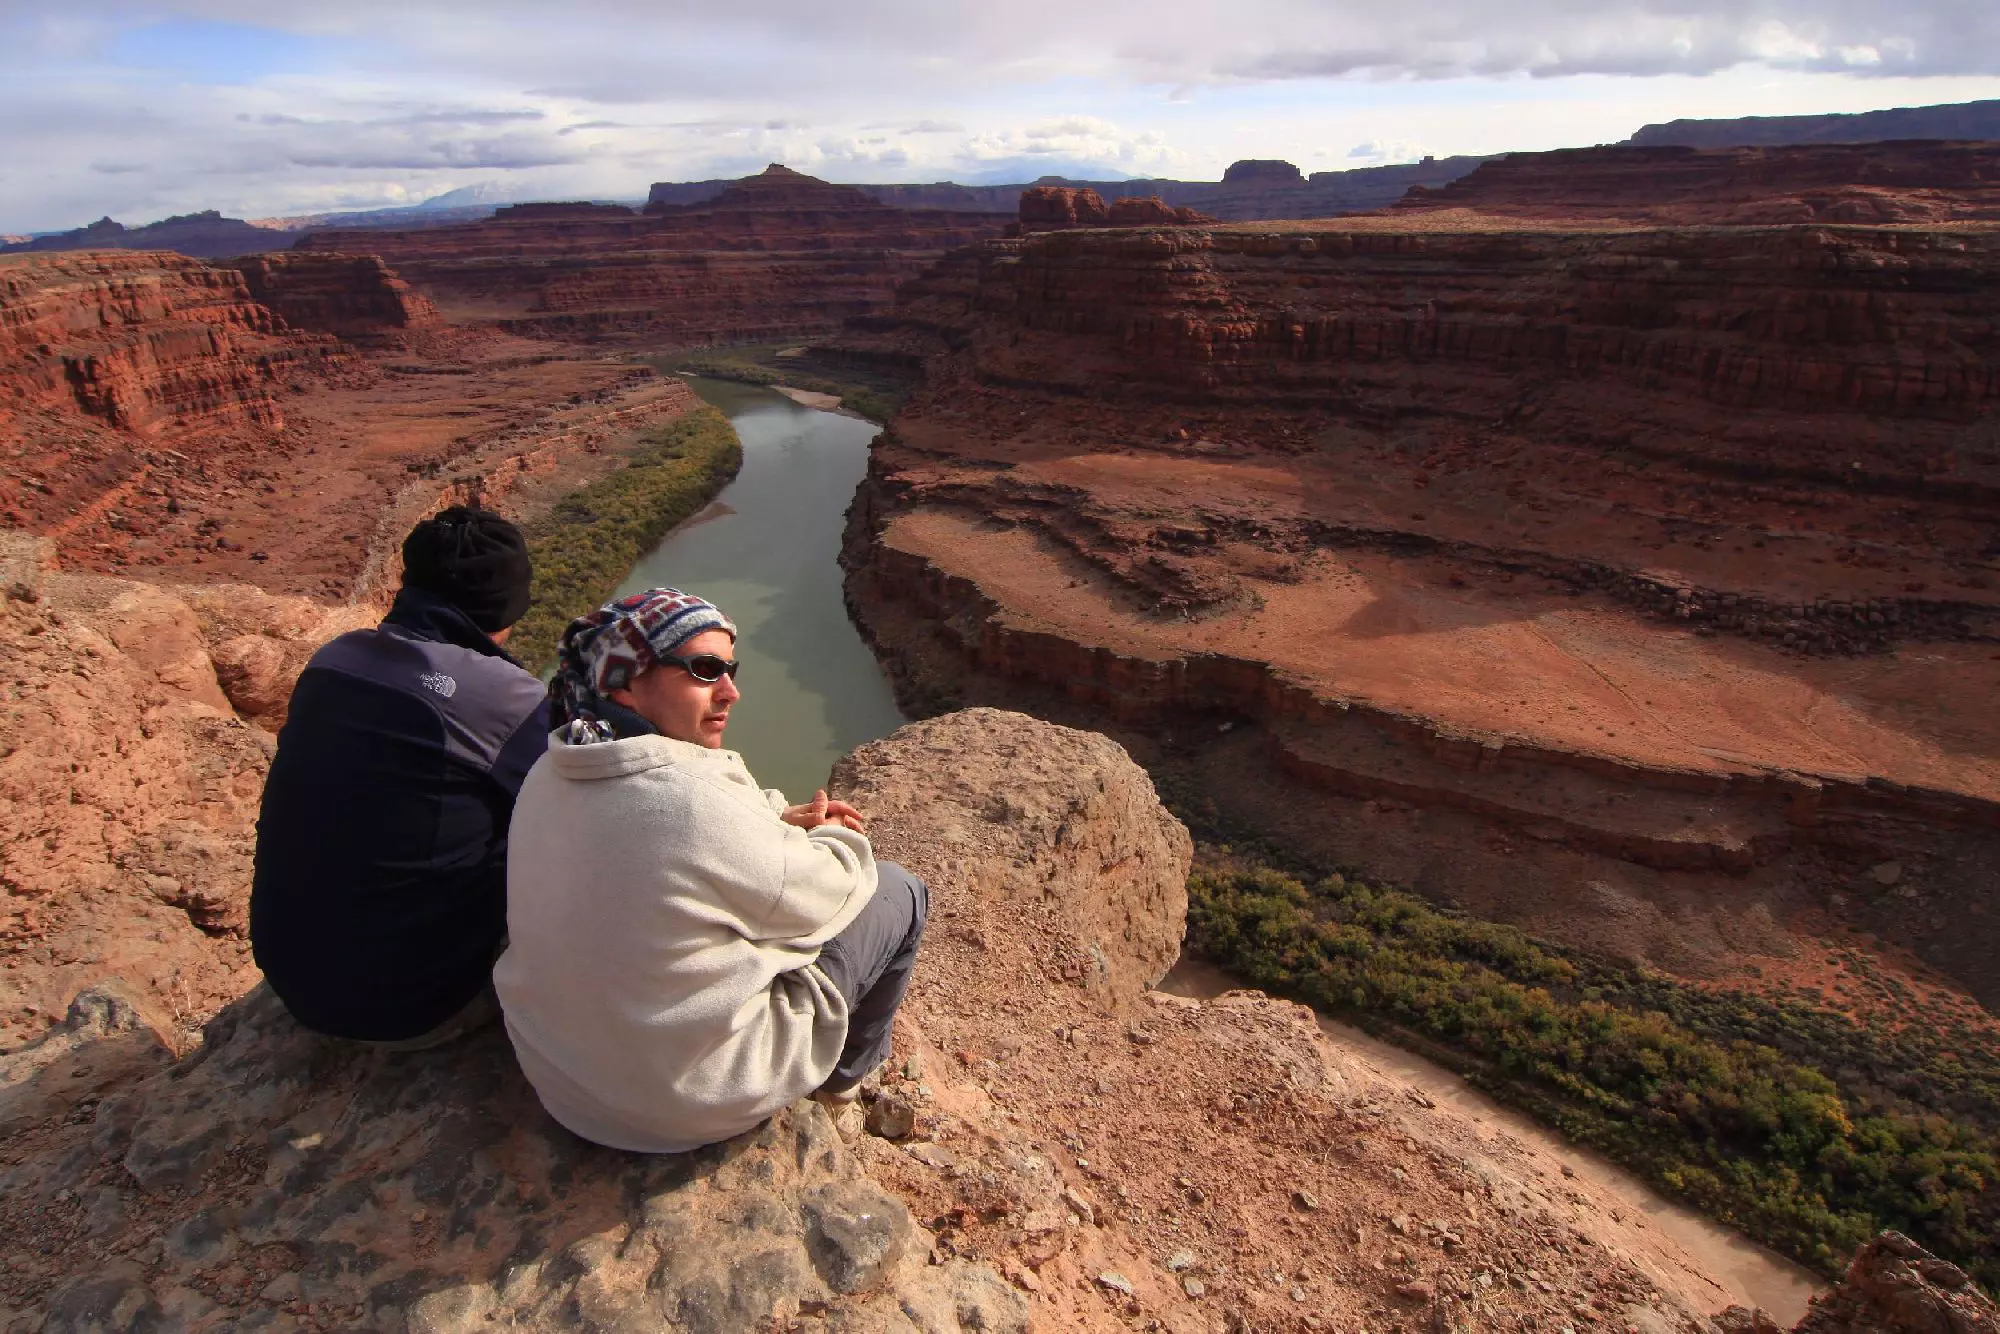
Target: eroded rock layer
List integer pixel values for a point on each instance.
(164, 414)
(775, 254)
(1857, 183)
(145, 341)
(1648, 560)
(356, 297)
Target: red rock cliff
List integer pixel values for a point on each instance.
(355, 297)
(1053, 208)
(1828, 335)
(145, 341)
(776, 254)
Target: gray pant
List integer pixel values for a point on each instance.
(869, 965)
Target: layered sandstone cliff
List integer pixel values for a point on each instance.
(1526, 555)
(159, 413)
(357, 298)
(1654, 184)
(144, 341)
(775, 254)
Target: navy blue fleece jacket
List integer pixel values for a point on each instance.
(380, 896)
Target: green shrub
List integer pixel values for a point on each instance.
(590, 539)
(876, 404)
(1805, 1129)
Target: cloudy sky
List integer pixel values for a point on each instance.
(139, 109)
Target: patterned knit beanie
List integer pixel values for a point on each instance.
(604, 650)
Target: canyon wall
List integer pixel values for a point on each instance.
(144, 341)
(1655, 184)
(159, 413)
(772, 256)
(357, 298)
(1604, 580)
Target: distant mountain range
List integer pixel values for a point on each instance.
(1952, 120)
(209, 235)
(1247, 191)
(468, 203)
(203, 235)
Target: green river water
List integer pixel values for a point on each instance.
(766, 553)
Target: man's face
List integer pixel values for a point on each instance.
(680, 706)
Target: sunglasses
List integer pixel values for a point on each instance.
(707, 668)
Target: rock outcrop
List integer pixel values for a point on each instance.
(278, 1180)
(1028, 1165)
(1057, 207)
(1894, 1286)
(129, 783)
(1325, 480)
(1632, 184)
(1264, 173)
(1051, 208)
(775, 254)
(356, 298)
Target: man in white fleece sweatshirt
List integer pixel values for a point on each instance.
(687, 953)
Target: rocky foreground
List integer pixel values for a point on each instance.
(1053, 1146)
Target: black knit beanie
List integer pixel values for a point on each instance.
(473, 559)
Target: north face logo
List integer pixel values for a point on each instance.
(439, 682)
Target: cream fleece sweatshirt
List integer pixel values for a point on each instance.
(660, 984)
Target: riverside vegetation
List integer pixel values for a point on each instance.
(865, 391)
(1807, 1129)
(584, 545)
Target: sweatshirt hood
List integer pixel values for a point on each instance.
(636, 754)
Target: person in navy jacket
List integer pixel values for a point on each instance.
(380, 896)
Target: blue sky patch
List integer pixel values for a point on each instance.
(202, 51)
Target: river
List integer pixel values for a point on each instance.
(766, 551)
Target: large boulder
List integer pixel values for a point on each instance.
(1894, 1286)
(1041, 823)
(274, 1179)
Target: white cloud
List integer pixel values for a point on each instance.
(232, 104)
(1378, 152)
